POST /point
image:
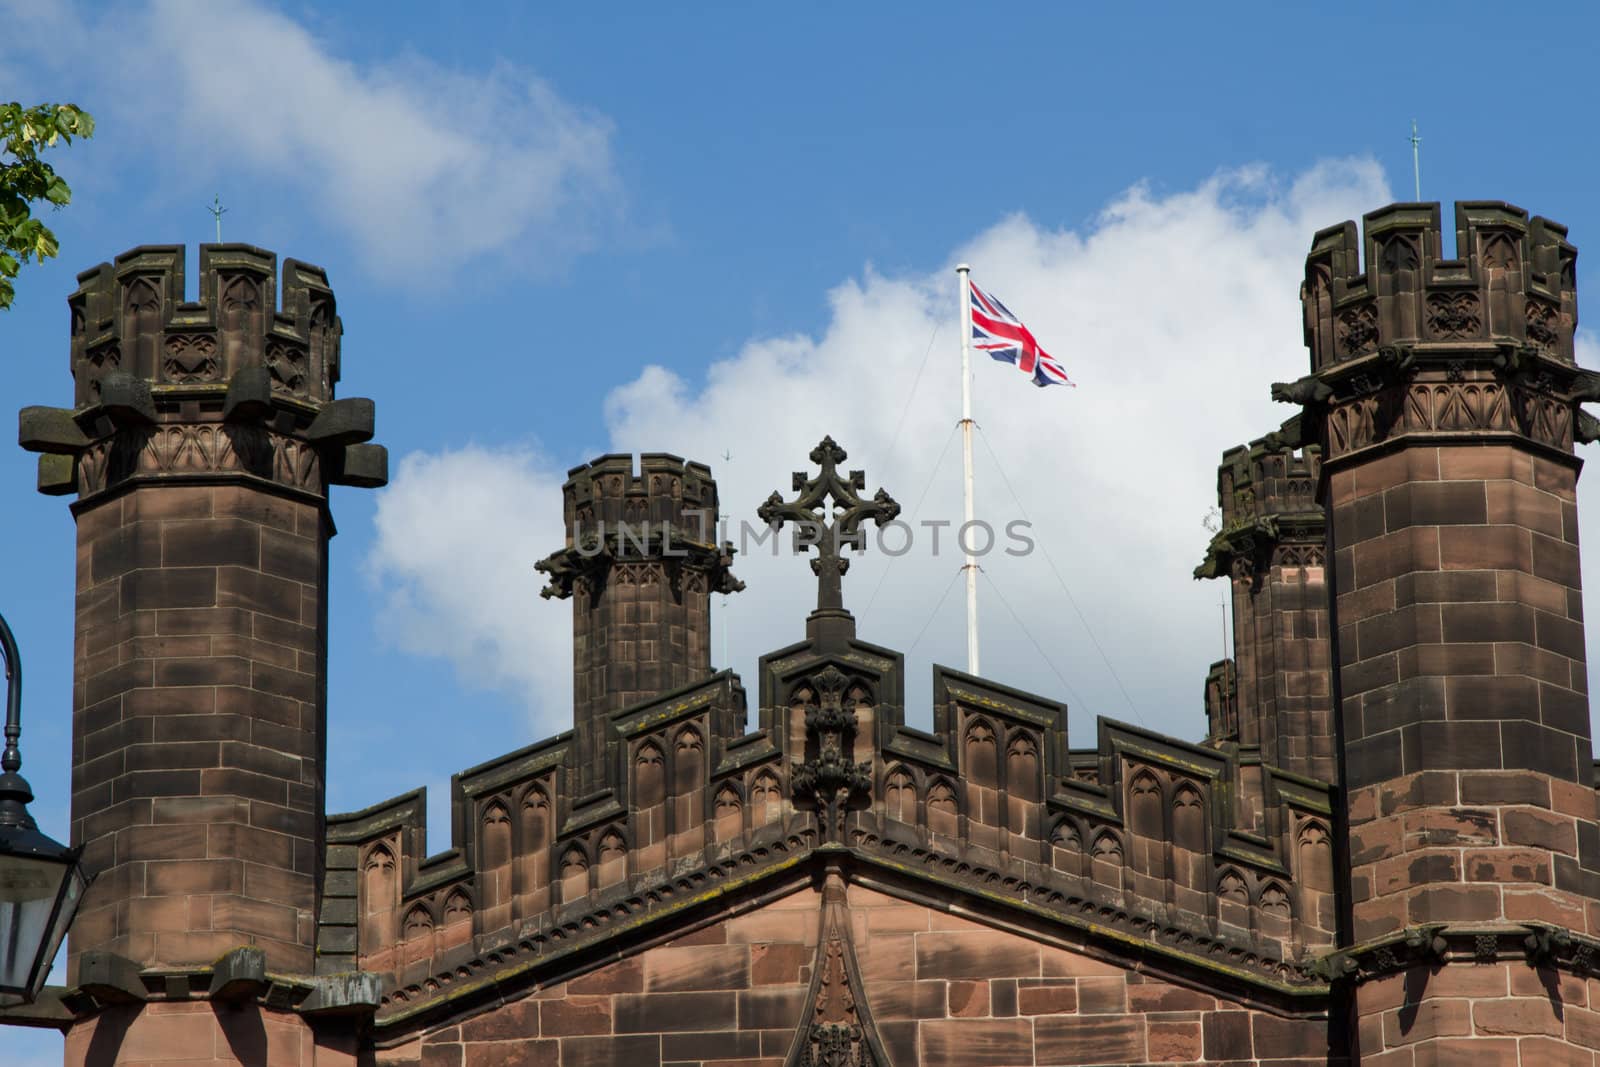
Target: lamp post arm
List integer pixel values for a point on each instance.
(11, 758)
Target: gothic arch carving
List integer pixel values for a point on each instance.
(1145, 804)
(727, 809)
(1188, 818)
(574, 872)
(534, 825)
(944, 810)
(1108, 847)
(496, 834)
(457, 907)
(981, 764)
(689, 777)
(418, 922)
(649, 774)
(1023, 779)
(380, 898)
(1275, 899)
(612, 856)
(766, 798)
(1232, 887)
(141, 324)
(900, 795)
(1314, 852)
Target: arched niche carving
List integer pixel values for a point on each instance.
(457, 907)
(418, 922)
(574, 872)
(533, 831)
(1023, 780)
(1188, 818)
(1315, 855)
(141, 325)
(727, 812)
(981, 764)
(1066, 847)
(944, 815)
(1232, 887)
(900, 796)
(612, 855)
(649, 775)
(380, 899)
(574, 860)
(728, 801)
(689, 776)
(239, 322)
(495, 839)
(494, 854)
(766, 799)
(1108, 847)
(1275, 899)
(1144, 804)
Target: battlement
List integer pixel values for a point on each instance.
(1133, 841)
(607, 492)
(1513, 281)
(1267, 478)
(1266, 493)
(130, 316)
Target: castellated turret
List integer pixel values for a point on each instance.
(201, 444)
(1445, 399)
(1513, 283)
(640, 563)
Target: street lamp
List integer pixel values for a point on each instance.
(41, 881)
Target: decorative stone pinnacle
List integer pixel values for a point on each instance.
(811, 516)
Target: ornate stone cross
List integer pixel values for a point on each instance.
(829, 527)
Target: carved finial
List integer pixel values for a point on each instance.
(811, 516)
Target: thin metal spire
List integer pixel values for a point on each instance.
(1416, 159)
(217, 211)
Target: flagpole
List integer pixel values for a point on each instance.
(971, 566)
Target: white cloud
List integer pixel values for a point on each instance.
(400, 154)
(457, 537)
(1173, 312)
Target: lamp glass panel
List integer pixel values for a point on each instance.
(28, 890)
(71, 896)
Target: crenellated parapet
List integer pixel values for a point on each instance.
(1269, 515)
(238, 383)
(1138, 845)
(1405, 342)
(1512, 281)
(131, 316)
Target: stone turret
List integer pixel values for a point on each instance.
(640, 563)
(201, 445)
(1444, 395)
(1270, 548)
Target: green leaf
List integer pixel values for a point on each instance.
(26, 180)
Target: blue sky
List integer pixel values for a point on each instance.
(555, 233)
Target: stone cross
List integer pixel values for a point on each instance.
(829, 527)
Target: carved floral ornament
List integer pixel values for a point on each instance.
(828, 780)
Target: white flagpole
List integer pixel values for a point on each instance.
(971, 566)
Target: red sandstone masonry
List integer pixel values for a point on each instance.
(198, 780)
(944, 992)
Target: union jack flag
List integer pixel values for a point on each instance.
(998, 332)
